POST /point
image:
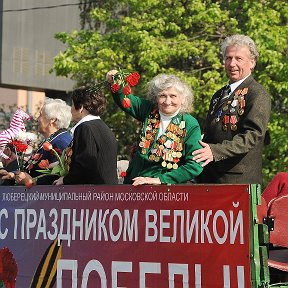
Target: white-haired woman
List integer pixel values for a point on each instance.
(53, 121)
(169, 134)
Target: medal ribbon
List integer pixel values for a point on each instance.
(233, 119)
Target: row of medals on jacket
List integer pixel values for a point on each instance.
(168, 147)
(230, 107)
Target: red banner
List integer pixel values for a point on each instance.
(121, 236)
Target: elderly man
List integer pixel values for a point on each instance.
(237, 120)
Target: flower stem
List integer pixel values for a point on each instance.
(18, 163)
(58, 158)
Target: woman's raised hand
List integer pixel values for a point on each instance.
(110, 74)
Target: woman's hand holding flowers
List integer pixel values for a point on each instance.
(23, 178)
(127, 80)
(110, 75)
(5, 175)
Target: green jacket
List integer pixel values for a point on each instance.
(141, 163)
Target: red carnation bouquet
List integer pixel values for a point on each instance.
(127, 80)
(8, 269)
(21, 143)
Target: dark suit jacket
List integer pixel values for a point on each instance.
(94, 158)
(238, 154)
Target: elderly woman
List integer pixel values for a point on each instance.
(169, 134)
(94, 150)
(53, 121)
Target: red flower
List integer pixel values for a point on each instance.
(115, 87)
(19, 146)
(8, 268)
(136, 75)
(125, 80)
(47, 146)
(133, 79)
(123, 174)
(43, 164)
(127, 90)
(126, 102)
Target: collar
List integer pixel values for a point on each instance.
(164, 117)
(86, 118)
(234, 85)
(51, 137)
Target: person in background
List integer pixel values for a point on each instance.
(169, 133)
(237, 120)
(94, 149)
(53, 121)
(277, 187)
(9, 163)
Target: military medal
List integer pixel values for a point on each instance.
(244, 91)
(234, 103)
(182, 125)
(233, 121)
(214, 102)
(168, 147)
(164, 164)
(240, 111)
(241, 105)
(241, 100)
(153, 123)
(218, 115)
(179, 147)
(149, 136)
(146, 144)
(231, 106)
(179, 155)
(169, 165)
(225, 122)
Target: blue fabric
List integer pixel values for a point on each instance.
(60, 142)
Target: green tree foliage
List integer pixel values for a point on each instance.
(183, 38)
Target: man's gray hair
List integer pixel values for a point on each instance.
(239, 41)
